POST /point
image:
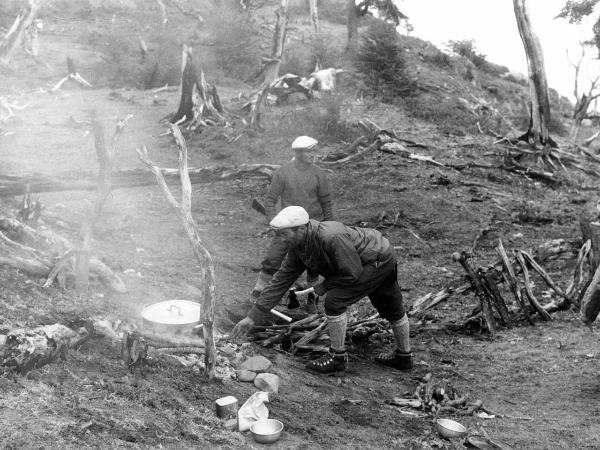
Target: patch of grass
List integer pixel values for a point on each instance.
(320, 119)
(448, 114)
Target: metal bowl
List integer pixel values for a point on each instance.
(266, 431)
(450, 429)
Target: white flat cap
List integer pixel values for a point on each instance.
(289, 217)
(303, 142)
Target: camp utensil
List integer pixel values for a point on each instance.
(266, 431)
(450, 429)
(172, 316)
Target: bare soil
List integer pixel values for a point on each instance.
(544, 377)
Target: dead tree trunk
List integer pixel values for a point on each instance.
(272, 64)
(538, 84)
(14, 37)
(105, 156)
(199, 105)
(314, 15)
(25, 350)
(203, 256)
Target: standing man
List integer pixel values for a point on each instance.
(355, 262)
(299, 182)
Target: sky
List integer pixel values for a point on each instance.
(493, 27)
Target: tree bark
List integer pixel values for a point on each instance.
(314, 15)
(352, 26)
(14, 37)
(538, 84)
(199, 105)
(272, 64)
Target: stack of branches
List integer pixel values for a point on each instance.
(433, 397)
(308, 334)
(495, 311)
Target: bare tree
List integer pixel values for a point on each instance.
(583, 100)
(537, 133)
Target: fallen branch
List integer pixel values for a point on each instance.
(534, 302)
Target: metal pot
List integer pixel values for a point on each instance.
(172, 316)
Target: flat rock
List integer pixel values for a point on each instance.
(245, 375)
(268, 382)
(256, 364)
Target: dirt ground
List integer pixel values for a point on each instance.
(544, 378)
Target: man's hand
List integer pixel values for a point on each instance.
(241, 328)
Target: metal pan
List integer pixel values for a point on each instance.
(172, 316)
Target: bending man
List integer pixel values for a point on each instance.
(354, 262)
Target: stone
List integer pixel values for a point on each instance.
(267, 382)
(256, 364)
(245, 375)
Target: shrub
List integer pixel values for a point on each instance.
(333, 11)
(123, 64)
(439, 59)
(466, 48)
(235, 37)
(381, 63)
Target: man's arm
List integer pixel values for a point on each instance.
(273, 193)
(324, 193)
(290, 270)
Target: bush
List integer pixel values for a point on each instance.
(236, 43)
(466, 48)
(439, 59)
(381, 63)
(123, 65)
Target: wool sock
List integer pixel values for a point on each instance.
(401, 330)
(336, 325)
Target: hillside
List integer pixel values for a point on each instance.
(542, 378)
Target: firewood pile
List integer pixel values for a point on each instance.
(440, 397)
(309, 334)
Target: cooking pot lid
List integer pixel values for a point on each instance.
(173, 312)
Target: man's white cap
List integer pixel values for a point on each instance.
(289, 217)
(304, 142)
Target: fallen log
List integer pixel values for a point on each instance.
(11, 185)
(25, 350)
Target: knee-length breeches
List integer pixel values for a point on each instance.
(378, 281)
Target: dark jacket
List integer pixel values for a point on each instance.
(295, 186)
(331, 249)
